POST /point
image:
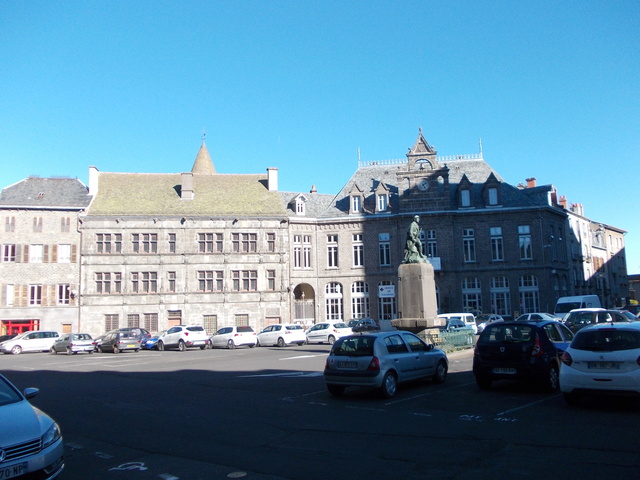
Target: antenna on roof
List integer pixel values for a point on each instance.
(480, 143)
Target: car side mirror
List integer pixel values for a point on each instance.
(30, 392)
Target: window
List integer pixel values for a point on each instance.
(493, 196)
(359, 300)
(145, 242)
(529, 295)
(133, 320)
(9, 224)
(356, 204)
(171, 237)
(465, 198)
(151, 322)
(107, 283)
(271, 242)
(432, 244)
(497, 250)
(242, 320)
(10, 292)
(35, 253)
(384, 249)
(210, 242)
(358, 250)
(63, 294)
(8, 253)
(468, 245)
(144, 282)
(171, 282)
(387, 309)
(111, 322)
(37, 224)
(524, 239)
(300, 205)
(271, 280)
(210, 323)
(332, 251)
(244, 280)
(35, 294)
(471, 295)
(65, 224)
(210, 280)
(333, 301)
(297, 251)
(108, 243)
(306, 251)
(244, 242)
(382, 202)
(64, 253)
(500, 298)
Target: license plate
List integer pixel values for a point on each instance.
(603, 365)
(347, 364)
(505, 371)
(199, 342)
(13, 471)
(131, 346)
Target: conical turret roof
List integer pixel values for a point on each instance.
(203, 164)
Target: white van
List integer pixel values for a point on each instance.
(468, 319)
(565, 304)
(39, 341)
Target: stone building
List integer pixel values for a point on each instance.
(39, 271)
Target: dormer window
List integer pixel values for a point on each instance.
(465, 198)
(356, 204)
(492, 194)
(382, 202)
(299, 205)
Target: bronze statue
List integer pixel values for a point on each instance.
(413, 247)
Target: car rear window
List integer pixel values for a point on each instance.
(245, 329)
(195, 329)
(606, 340)
(500, 333)
(361, 346)
(293, 327)
(340, 325)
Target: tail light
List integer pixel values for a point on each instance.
(537, 348)
(567, 360)
(374, 365)
(186, 334)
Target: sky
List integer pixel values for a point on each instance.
(552, 88)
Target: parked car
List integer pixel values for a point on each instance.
(38, 341)
(281, 335)
(4, 338)
(581, 317)
(151, 343)
(31, 444)
(454, 324)
(327, 332)
(485, 319)
(536, 317)
(382, 360)
(183, 337)
(628, 314)
(71, 343)
(602, 359)
(353, 322)
(232, 337)
(467, 318)
(365, 325)
(117, 341)
(526, 351)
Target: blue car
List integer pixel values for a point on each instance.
(151, 343)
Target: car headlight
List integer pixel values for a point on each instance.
(51, 435)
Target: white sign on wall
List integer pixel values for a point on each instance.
(386, 291)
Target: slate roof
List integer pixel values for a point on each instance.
(159, 194)
(315, 206)
(46, 193)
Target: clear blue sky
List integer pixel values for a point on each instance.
(551, 87)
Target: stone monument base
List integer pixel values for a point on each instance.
(417, 304)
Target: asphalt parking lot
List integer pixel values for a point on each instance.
(264, 413)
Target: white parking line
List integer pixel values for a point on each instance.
(303, 356)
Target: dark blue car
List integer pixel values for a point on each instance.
(526, 351)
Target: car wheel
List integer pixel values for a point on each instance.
(258, 342)
(90, 351)
(53, 351)
(252, 345)
(116, 349)
(203, 347)
(100, 349)
(231, 345)
(160, 346)
(441, 372)
(483, 382)
(182, 346)
(572, 399)
(301, 343)
(281, 342)
(69, 352)
(552, 382)
(332, 339)
(335, 390)
(389, 385)
(17, 350)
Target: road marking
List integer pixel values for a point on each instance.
(522, 407)
(285, 374)
(303, 356)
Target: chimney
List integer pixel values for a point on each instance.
(531, 182)
(313, 189)
(186, 190)
(272, 179)
(94, 173)
(563, 201)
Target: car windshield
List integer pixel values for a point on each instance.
(354, 346)
(7, 393)
(501, 333)
(606, 340)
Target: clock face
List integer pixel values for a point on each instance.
(423, 184)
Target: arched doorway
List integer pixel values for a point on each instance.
(304, 304)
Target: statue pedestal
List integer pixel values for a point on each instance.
(417, 305)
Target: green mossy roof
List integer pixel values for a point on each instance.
(159, 194)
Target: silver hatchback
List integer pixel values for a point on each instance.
(382, 360)
(71, 343)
